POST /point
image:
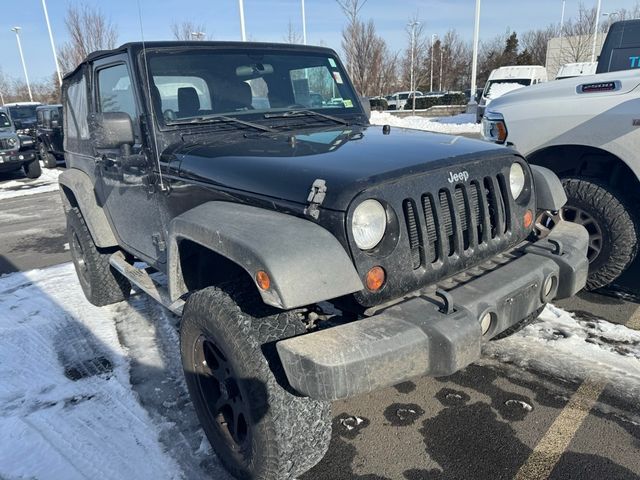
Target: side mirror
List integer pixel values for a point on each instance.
(366, 106)
(111, 130)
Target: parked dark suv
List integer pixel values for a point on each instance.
(312, 256)
(23, 115)
(49, 134)
(16, 150)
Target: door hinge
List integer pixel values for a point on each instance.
(157, 240)
(316, 197)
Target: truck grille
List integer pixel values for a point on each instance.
(4, 144)
(456, 219)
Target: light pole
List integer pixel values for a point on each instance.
(564, 4)
(304, 25)
(24, 65)
(474, 61)
(413, 26)
(53, 46)
(595, 33)
(441, 58)
(242, 31)
(609, 15)
(433, 39)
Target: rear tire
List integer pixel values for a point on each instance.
(48, 159)
(32, 169)
(100, 282)
(257, 427)
(613, 235)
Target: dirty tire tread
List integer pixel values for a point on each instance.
(519, 326)
(295, 430)
(617, 225)
(105, 285)
(33, 169)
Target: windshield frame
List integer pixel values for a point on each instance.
(255, 116)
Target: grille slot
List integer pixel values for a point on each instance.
(457, 219)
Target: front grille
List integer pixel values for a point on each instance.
(456, 219)
(4, 144)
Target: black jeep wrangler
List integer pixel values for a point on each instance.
(16, 150)
(49, 134)
(311, 256)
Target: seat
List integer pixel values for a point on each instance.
(236, 95)
(188, 102)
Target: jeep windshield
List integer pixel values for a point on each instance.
(23, 112)
(199, 85)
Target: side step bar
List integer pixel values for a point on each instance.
(141, 279)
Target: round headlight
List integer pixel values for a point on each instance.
(368, 224)
(12, 141)
(516, 180)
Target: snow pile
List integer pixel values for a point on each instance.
(66, 405)
(21, 185)
(573, 349)
(452, 125)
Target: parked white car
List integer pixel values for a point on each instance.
(398, 100)
(571, 70)
(587, 130)
(506, 79)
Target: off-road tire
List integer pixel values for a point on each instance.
(32, 169)
(620, 234)
(100, 282)
(289, 434)
(48, 159)
(520, 325)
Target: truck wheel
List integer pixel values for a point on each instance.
(258, 428)
(613, 236)
(32, 169)
(100, 282)
(519, 326)
(48, 159)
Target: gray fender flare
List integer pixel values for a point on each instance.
(80, 184)
(550, 194)
(306, 263)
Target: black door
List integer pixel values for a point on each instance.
(124, 185)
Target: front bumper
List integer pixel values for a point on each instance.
(416, 337)
(15, 159)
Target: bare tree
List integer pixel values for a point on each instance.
(90, 30)
(188, 30)
(536, 42)
(293, 35)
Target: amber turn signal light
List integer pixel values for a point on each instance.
(528, 218)
(263, 280)
(375, 278)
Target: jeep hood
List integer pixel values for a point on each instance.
(349, 159)
(557, 90)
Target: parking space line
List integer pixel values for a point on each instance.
(555, 441)
(634, 321)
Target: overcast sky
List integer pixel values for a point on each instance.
(267, 20)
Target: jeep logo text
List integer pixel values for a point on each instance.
(458, 177)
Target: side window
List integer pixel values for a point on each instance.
(76, 111)
(40, 117)
(47, 118)
(115, 92)
(55, 115)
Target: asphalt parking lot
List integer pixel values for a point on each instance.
(492, 420)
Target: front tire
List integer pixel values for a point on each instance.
(32, 169)
(613, 235)
(48, 159)
(257, 427)
(100, 282)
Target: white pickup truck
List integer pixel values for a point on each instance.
(587, 130)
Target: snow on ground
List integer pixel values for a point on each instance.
(91, 392)
(575, 348)
(16, 185)
(66, 405)
(453, 125)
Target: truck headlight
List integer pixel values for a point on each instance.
(494, 128)
(368, 224)
(12, 141)
(516, 180)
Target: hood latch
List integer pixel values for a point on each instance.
(315, 198)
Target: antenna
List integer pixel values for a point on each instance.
(151, 127)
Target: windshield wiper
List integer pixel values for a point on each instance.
(305, 113)
(221, 119)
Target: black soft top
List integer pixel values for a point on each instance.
(134, 47)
